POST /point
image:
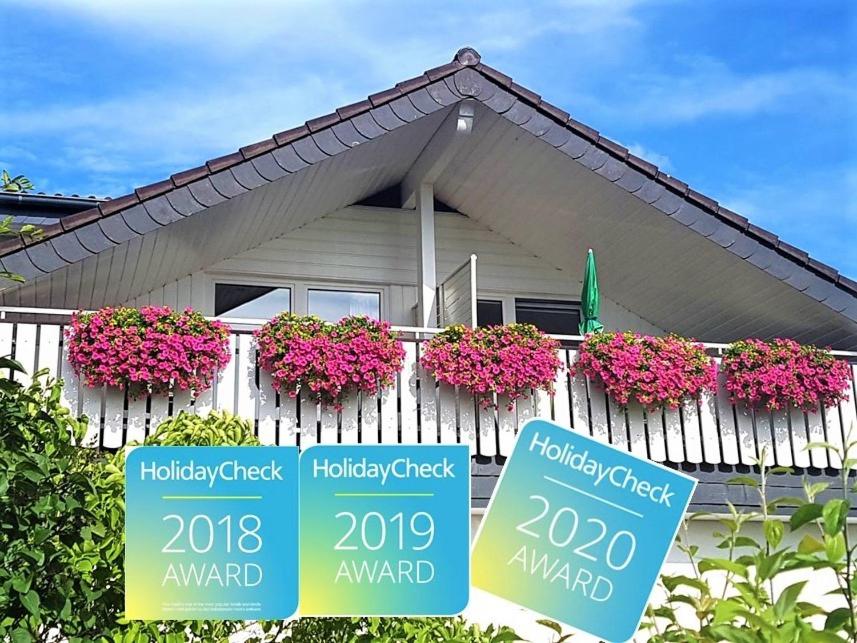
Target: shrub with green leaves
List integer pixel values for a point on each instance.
(394, 630)
(56, 570)
(756, 603)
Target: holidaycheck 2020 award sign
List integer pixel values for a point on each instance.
(211, 533)
(578, 530)
(385, 530)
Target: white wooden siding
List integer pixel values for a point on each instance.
(378, 246)
(419, 411)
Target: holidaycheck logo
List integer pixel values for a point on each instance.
(619, 476)
(228, 471)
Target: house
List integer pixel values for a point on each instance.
(378, 207)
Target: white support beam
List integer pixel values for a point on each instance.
(427, 262)
(439, 151)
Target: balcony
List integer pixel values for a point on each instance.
(418, 410)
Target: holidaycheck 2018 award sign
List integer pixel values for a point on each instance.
(211, 533)
(578, 530)
(385, 530)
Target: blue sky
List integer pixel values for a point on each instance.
(751, 102)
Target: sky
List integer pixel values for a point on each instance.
(751, 102)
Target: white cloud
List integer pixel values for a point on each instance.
(817, 213)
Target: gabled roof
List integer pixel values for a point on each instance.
(186, 193)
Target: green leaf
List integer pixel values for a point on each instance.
(30, 601)
(556, 627)
(774, 530)
(809, 545)
(834, 513)
(20, 635)
(834, 547)
(786, 602)
(724, 611)
(722, 564)
(805, 514)
(837, 619)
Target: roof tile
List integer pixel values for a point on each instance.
(732, 217)
(321, 122)
(584, 130)
(411, 84)
(760, 233)
(9, 245)
(495, 75)
(614, 148)
(795, 254)
(257, 149)
(354, 109)
(847, 283)
(436, 73)
(225, 161)
(701, 199)
(554, 112)
(468, 56)
(649, 169)
(78, 219)
(381, 98)
(673, 183)
(530, 96)
(183, 178)
(290, 135)
(154, 189)
(823, 269)
(120, 203)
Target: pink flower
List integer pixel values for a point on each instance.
(331, 360)
(148, 350)
(781, 372)
(506, 360)
(656, 371)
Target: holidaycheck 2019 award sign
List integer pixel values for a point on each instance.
(385, 530)
(211, 533)
(578, 530)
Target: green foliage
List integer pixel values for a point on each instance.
(18, 183)
(26, 231)
(214, 429)
(394, 630)
(757, 603)
(54, 567)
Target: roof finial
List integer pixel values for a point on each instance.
(467, 56)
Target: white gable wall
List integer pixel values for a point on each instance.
(377, 247)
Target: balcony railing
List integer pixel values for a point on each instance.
(418, 410)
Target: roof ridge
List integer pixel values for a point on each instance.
(465, 58)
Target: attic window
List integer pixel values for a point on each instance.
(251, 302)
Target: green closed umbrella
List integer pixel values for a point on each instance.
(590, 302)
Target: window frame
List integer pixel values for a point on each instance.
(333, 287)
(508, 301)
(299, 289)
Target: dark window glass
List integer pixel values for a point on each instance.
(549, 315)
(251, 302)
(489, 312)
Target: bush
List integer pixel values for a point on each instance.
(330, 360)
(151, 350)
(62, 521)
(60, 541)
(781, 372)
(394, 630)
(508, 360)
(655, 371)
(756, 605)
